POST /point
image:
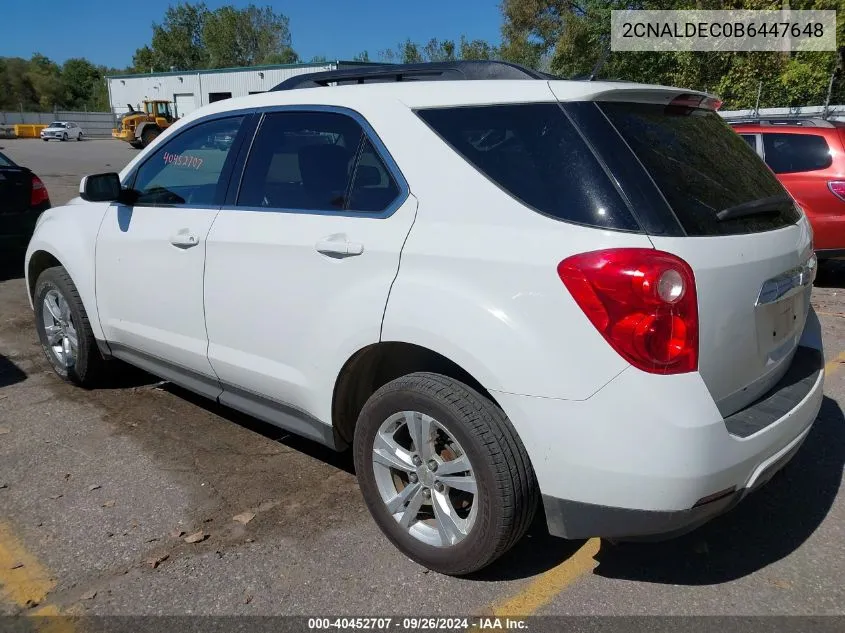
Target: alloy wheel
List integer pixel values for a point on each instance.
(425, 478)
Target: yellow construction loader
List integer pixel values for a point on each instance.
(140, 127)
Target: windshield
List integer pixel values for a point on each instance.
(702, 167)
(57, 124)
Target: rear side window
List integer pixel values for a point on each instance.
(701, 166)
(373, 188)
(535, 154)
(789, 153)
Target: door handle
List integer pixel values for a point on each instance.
(338, 246)
(184, 239)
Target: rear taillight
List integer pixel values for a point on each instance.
(837, 188)
(642, 301)
(39, 192)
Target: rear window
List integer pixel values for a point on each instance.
(701, 166)
(536, 155)
(789, 153)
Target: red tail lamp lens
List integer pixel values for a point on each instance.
(642, 301)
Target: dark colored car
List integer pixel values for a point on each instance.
(22, 199)
(808, 157)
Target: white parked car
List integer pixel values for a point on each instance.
(499, 293)
(62, 131)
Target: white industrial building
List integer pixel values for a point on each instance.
(189, 90)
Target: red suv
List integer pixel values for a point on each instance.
(807, 155)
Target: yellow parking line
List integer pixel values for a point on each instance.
(835, 364)
(23, 579)
(542, 590)
(26, 582)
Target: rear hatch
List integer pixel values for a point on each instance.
(15, 185)
(726, 215)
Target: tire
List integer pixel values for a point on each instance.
(149, 135)
(136, 145)
(44, 139)
(87, 369)
(64, 136)
(79, 137)
(506, 496)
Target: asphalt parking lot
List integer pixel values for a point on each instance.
(99, 489)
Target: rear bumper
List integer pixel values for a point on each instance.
(651, 455)
(17, 228)
(577, 520)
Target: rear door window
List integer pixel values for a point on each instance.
(701, 167)
(535, 154)
(315, 161)
(790, 153)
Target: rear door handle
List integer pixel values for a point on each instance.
(335, 247)
(184, 239)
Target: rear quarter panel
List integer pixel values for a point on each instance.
(478, 280)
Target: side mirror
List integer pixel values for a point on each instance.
(100, 188)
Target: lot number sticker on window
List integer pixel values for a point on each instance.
(183, 160)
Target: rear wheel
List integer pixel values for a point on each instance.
(79, 138)
(64, 330)
(443, 473)
(149, 135)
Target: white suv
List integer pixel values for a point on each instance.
(496, 291)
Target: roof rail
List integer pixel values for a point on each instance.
(775, 121)
(432, 71)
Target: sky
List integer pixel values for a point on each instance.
(108, 31)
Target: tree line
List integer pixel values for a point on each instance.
(567, 38)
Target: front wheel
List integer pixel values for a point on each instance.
(64, 136)
(149, 135)
(443, 473)
(64, 330)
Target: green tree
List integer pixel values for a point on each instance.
(476, 49)
(144, 60)
(16, 89)
(319, 59)
(407, 52)
(246, 37)
(572, 35)
(45, 77)
(363, 56)
(288, 56)
(437, 51)
(79, 77)
(177, 42)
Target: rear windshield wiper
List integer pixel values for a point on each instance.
(755, 207)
